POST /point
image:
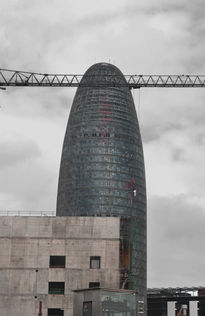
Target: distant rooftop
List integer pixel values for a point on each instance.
(176, 291)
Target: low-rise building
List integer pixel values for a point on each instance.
(43, 259)
(186, 301)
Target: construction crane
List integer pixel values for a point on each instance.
(14, 78)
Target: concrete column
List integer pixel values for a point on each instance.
(193, 308)
(171, 308)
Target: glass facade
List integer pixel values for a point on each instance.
(118, 304)
(102, 166)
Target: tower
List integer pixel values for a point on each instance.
(102, 165)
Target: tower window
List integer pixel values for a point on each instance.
(94, 262)
(55, 312)
(94, 284)
(57, 262)
(56, 287)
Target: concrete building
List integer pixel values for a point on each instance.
(102, 166)
(43, 259)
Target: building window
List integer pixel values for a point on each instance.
(94, 262)
(57, 262)
(94, 284)
(56, 287)
(55, 312)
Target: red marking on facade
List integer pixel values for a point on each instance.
(131, 189)
(40, 309)
(105, 112)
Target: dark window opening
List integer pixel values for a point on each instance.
(87, 308)
(55, 312)
(57, 262)
(56, 287)
(94, 262)
(94, 284)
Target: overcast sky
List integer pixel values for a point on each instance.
(139, 37)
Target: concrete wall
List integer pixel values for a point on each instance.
(26, 244)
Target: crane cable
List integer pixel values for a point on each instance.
(138, 103)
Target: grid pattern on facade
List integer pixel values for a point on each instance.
(102, 166)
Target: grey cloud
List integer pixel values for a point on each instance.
(98, 20)
(179, 111)
(54, 103)
(101, 19)
(156, 130)
(176, 232)
(181, 219)
(178, 154)
(190, 45)
(32, 32)
(31, 186)
(194, 8)
(193, 58)
(39, 102)
(14, 152)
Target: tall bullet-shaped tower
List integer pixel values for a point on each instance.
(102, 167)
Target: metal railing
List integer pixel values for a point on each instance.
(26, 213)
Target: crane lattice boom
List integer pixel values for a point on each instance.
(16, 78)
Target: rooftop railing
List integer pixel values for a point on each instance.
(26, 213)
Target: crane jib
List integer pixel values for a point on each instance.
(14, 78)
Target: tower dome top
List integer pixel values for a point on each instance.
(103, 73)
